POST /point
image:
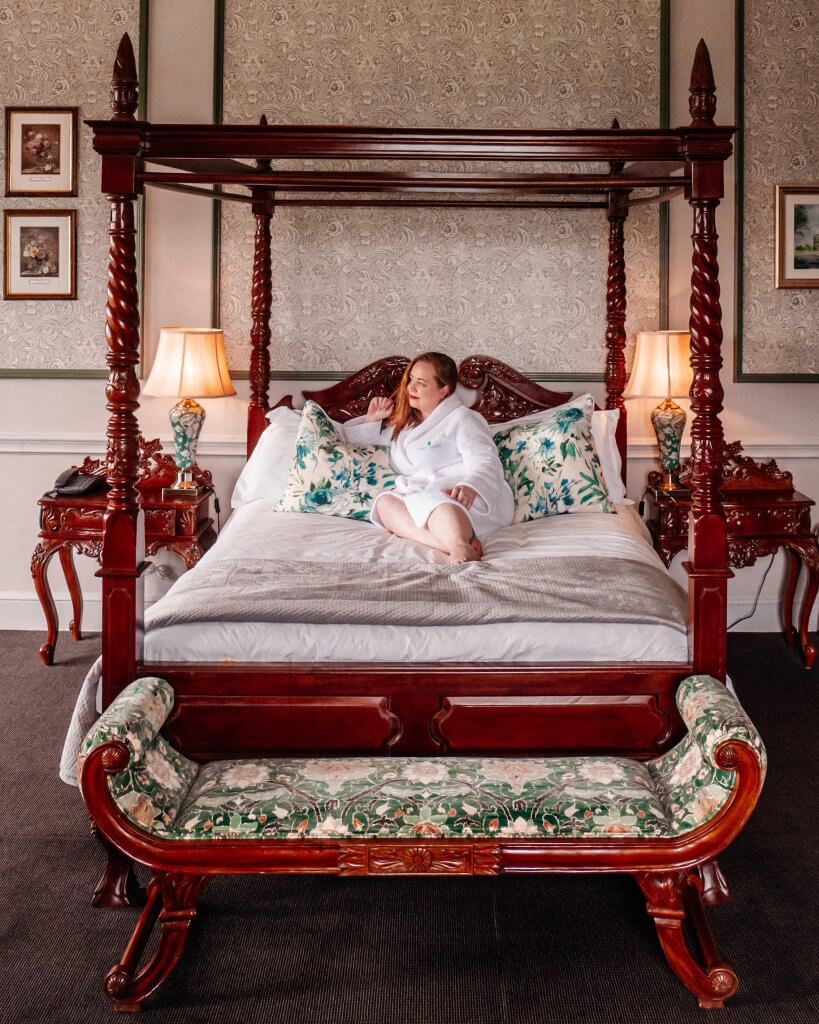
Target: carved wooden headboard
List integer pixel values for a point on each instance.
(502, 392)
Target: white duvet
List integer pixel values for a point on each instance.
(256, 531)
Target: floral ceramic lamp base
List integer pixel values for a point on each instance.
(668, 420)
(187, 417)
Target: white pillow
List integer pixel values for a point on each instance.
(604, 428)
(265, 472)
(604, 432)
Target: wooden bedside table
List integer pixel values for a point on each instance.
(69, 524)
(763, 513)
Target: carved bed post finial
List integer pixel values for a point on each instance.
(616, 318)
(702, 102)
(124, 83)
(616, 166)
(263, 165)
(261, 301)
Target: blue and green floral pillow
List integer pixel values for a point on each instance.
(551, 464)
(331, 476)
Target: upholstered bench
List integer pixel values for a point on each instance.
(663, 821)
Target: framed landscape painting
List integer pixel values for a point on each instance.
(40, 254)
(41, 151)
(797, 236)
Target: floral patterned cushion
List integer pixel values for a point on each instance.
(331, 476)
(552, 465)
(686, 779)
(395, 797)
(404, 797)
(151, 789)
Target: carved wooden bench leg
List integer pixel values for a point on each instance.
(715, 889)
(177, 895)
(118, 886)
(669, 894)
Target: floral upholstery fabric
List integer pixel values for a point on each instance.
(396, 797)
(686, 779)
(404, 797)
(151, 789)
(552, 465)
(713, 716)
(331, 476)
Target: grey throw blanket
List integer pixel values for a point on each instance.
(572, 589)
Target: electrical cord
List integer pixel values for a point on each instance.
(742, 618)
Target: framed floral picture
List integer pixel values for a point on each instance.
(797, 236)
(40, 254)
(41, 151)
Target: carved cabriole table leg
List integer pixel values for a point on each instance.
(43, 554)
(794, 565)
(70, 573)
(804, 550)
(810, 557)
(669, 895)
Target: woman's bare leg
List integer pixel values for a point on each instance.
(396, 519)
(452, 527)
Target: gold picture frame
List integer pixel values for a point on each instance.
(40, 254)
(41, 151)
(797, 236)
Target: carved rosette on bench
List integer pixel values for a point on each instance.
(432, 859)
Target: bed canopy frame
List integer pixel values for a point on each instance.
(241, 710)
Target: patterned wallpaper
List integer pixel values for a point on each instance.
(61, 54)
(526, 286)
(780, 333)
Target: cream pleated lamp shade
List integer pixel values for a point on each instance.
(190, 362)
(662, 367)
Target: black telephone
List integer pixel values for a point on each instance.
(74, 482)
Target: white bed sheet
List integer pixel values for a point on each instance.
(256, 531)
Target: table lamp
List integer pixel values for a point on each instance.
(190, 363)
(662, 369)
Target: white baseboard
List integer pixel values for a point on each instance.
(21, 610)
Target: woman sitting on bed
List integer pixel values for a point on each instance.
(450, 490)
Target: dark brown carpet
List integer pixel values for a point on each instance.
(540, 950)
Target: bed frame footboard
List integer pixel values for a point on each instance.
(421, 710)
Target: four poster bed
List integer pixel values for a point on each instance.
(399, 706)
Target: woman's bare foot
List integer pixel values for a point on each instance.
(461, 553)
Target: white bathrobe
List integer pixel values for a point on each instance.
(452, 447)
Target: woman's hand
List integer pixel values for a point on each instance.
(463, 494)
(379, 409)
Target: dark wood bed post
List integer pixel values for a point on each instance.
(123, 545)
(707, 544)
(261, 301)
(616, 313)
